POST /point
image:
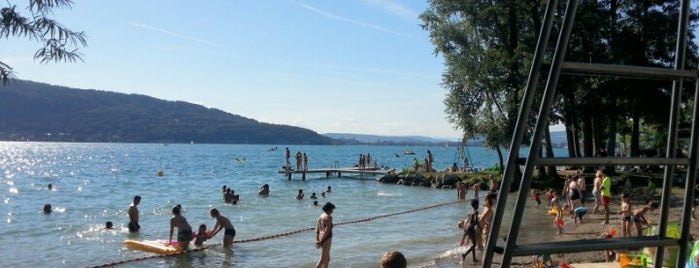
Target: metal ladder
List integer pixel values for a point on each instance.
(677, 74)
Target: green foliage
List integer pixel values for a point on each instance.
(59, 43)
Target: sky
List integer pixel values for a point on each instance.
(340, 66)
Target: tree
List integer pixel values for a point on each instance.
(485, 45)
(59, 42)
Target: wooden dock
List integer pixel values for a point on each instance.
(334, 171)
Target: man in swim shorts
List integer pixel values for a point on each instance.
(222, 223)
(133, 215)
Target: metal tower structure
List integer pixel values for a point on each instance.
(677, 74)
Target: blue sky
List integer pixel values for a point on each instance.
(351, 66)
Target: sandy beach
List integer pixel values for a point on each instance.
(591, 228)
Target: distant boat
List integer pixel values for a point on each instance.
(409, 152)
(396, 155)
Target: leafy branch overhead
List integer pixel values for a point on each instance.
(59, 43)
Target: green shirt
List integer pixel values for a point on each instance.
(606, 186)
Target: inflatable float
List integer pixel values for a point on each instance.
(155, 246)
(554, 211)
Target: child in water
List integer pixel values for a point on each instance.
(201, 236)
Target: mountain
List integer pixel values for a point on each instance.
(558, 139)
(378, 139)
(42, 112)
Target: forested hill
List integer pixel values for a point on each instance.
(41, 112)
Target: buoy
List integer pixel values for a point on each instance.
(160, 173)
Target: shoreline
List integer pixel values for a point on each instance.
(591, 228)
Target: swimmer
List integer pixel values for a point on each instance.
(313, 196)
(328, 190)
(50, 187)
(201, 236)
(300, 195)
(108, 225)
(322, 194)
(264, 190)
(47, 208)
(315, 203)
(225, 224)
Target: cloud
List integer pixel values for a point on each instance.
(174, 34)
(352, 21)
(394, 8)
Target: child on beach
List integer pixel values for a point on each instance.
(558, 221)
(536, 196)
(555, 200)
(579, 213)
(626, 209)
(201, 236)
(549, 197)
(639, 217)
(470, 231)
(543, 261)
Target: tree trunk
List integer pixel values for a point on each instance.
(611, 134)
(549, 154)
(635, 135)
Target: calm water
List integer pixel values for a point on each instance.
(94, 183)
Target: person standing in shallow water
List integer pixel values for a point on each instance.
(184, 230)
(133, 215)
(324, 234)
(222, 223)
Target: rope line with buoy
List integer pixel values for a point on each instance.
(273, 236)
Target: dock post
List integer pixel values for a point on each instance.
(303, 175)
(339, 174)
(288, 175)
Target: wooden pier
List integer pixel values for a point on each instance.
(334, 171)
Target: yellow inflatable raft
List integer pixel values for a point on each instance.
(554, 211)
(151, 246)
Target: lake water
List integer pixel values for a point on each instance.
(94, 183)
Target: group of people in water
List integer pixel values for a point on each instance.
(184, 229)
